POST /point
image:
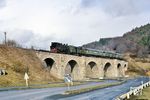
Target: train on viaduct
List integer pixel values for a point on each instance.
(82, 67)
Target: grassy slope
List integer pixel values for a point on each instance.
(16, 61)
(138, 66)
(144, 96)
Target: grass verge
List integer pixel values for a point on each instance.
(40, 86)
(144, 96)
(83, 90)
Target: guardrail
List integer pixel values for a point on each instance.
(133, 91)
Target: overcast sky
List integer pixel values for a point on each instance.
(76, 22)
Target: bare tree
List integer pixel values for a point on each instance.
(12, 43)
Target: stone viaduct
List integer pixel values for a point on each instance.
(82, 67)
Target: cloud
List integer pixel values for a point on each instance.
(74, 22)
(89, 3)
(118, 7)
(121, 7)
(20, 36)
(28, 38)
(2, 3)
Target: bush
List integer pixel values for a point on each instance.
(19, 68)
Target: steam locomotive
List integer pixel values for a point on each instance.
(80, 51)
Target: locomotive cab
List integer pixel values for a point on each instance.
(59, 48)
(54, 46)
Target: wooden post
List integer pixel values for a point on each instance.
(27, 83)
(5, 37)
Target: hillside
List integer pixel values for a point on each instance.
(135, 45)
(137, 66)
(18, 61)
(136, 41)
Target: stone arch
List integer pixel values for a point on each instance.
(119, 70)
(107, 70)
(50, 65)
(125, 65)
(72, 68)
(124, 69)
(92, 70)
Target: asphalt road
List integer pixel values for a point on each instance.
(54, 93)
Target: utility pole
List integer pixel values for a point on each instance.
(5, 37)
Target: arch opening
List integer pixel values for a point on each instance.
(124, 70)
(119, 69)
(92, 70)
(92, 64)
(125, 66)
(49, 63)
(50, 67)
(72, 68)
(107, 70)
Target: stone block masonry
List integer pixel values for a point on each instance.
(82, 67)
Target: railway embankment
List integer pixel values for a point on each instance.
(17, 61)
